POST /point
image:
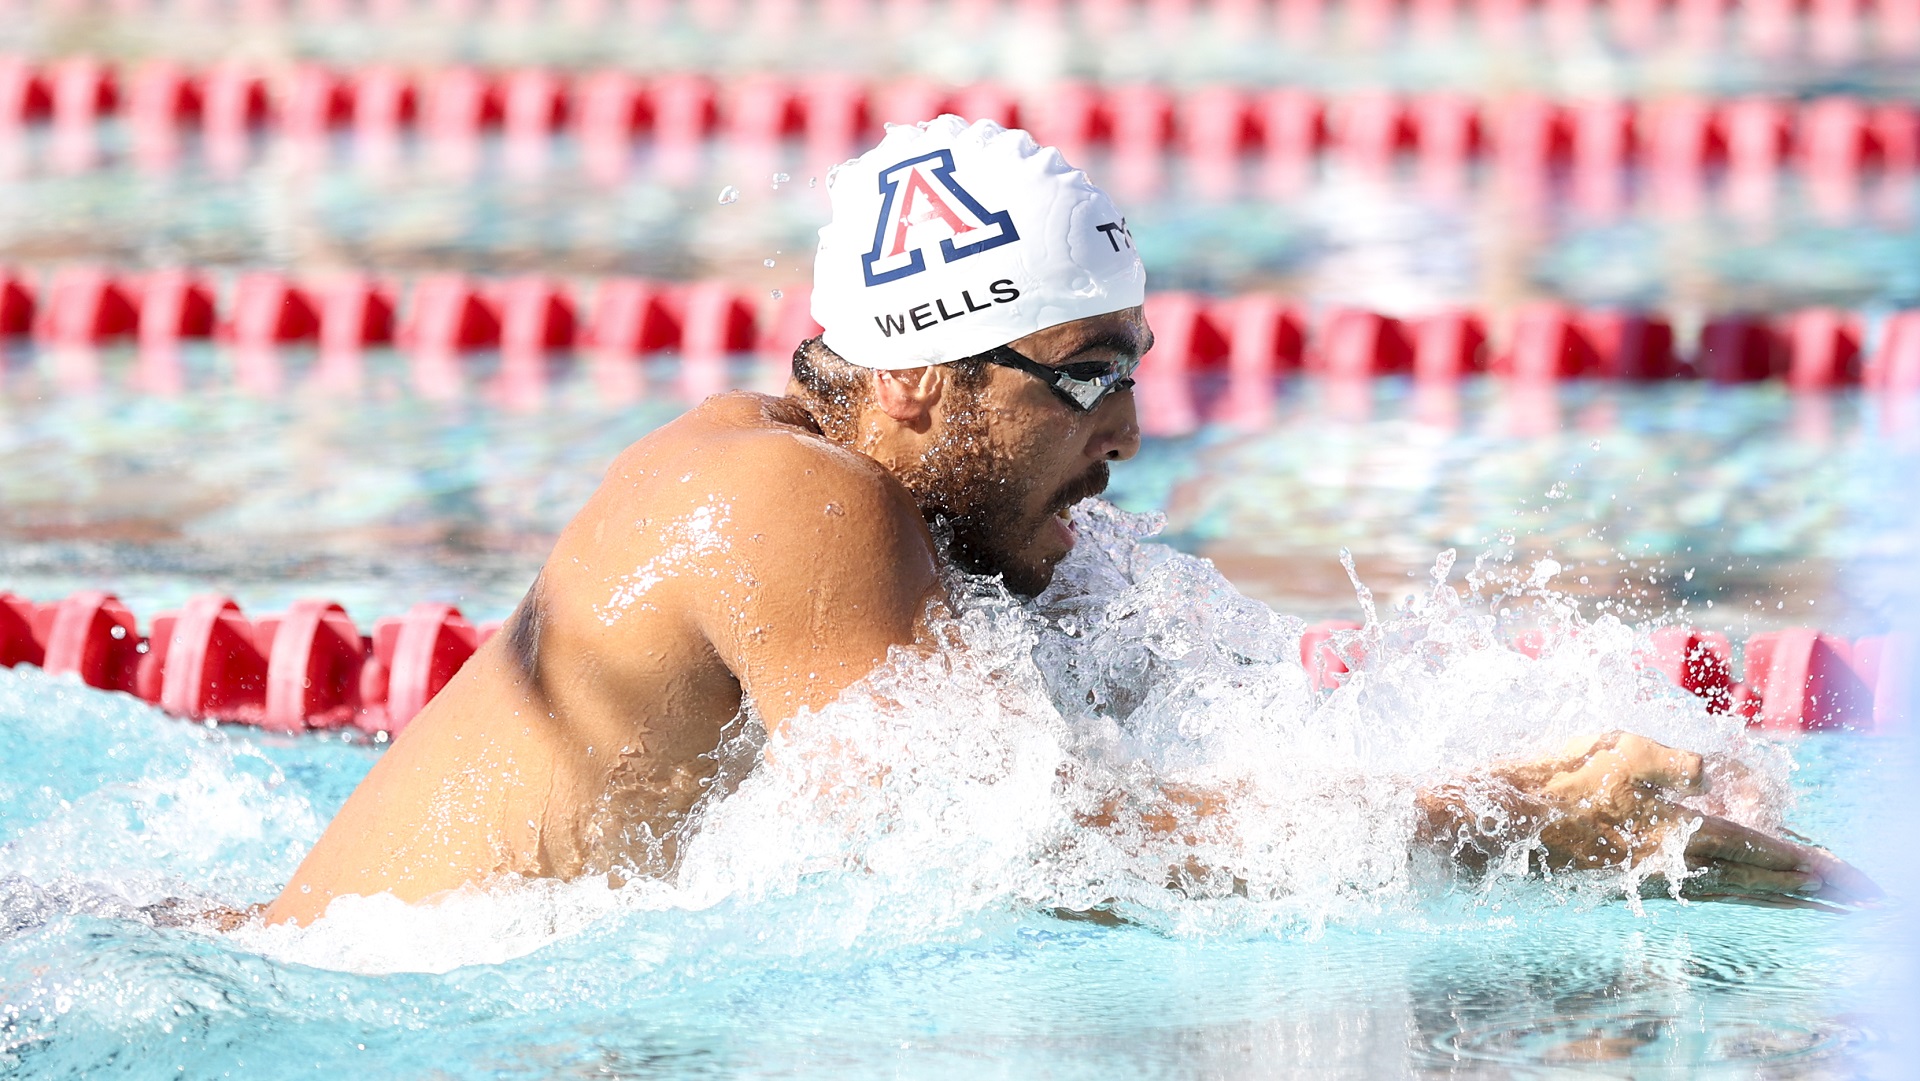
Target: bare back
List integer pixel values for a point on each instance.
(732, 552)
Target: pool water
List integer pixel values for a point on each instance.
(792, 949)
(1747, 507)
(915, 928)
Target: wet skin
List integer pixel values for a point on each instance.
(736, 551)
(739, 553)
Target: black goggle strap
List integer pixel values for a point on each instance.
(1082, 394)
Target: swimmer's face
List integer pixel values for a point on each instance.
(1013, 454)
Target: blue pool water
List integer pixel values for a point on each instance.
(910, 928)
(1774, 502)
(105, 804)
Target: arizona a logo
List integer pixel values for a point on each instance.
(921, 202)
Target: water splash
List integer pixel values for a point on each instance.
(729, 195)
(1021, 762)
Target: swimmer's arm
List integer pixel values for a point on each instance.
(831, 568)
(1610, 804)
(1607, 802)
(1173, 808)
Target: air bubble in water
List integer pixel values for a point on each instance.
(729, 194)
(766, 262)
(1558, 491)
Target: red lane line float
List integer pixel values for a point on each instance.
(1356, 344)
(684, 108)
(21, 642)
(269, 309)
(85, 306)
(1185, 329)
(1531, 135)
(1548, 344)
(413, 657)
(211, 664)
(790, 323)
(1698, 662)
(1631, 345)
(1449, 135)
(1265, 335)
(1896, 364)
(24, 97)
(1759, 134)
(1740, 349)
(313, 668)
(92, 635)
(1323, 662)
(536, 316)
(174, 304)
(450, 316)
(355, 311)
(1371, 129)
(1886, 664)
(716, 322)
(1823, 349)
(16, 306)
(1802, 680)
(1448, 346)
(313, 101)
(631, 318)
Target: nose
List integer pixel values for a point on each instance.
(1116, 432)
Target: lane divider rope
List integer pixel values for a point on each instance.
(311, 668)
(525, 319)
(65, 106)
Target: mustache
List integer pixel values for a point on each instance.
(1092, 484)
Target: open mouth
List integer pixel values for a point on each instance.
(1062, 522)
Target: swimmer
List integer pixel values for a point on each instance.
(982, 306)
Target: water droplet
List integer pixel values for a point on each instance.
(1558, 491)
(766, 262)
(1595, 445)
(1506, 536)
(813, 182)
(729, 194)
(779, 179)
(777, 294)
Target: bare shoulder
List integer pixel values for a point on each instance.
(761, 461)
(745, 489)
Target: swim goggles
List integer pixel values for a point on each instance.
(1081, 386)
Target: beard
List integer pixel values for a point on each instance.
(987, 504)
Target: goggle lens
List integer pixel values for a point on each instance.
(1083, 392)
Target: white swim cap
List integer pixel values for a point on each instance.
(948, 240)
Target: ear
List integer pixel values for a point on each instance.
(909, 395)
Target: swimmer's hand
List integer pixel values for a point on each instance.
(1610, 803)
